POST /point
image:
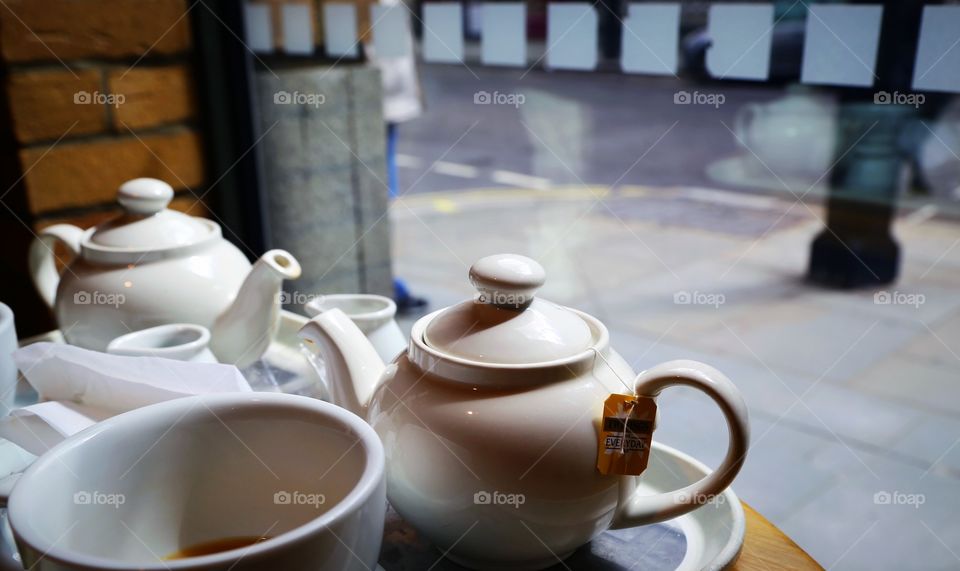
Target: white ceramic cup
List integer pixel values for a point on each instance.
(8, 370)
(138, 487)
(372, 314)
(180, 341)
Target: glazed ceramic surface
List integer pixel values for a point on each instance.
(179, 341)
(372, 314)
(128, 491)
(707, 539)
(153, 266)
(492, 458)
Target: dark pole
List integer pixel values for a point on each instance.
(857, 247)
(16, 232)
(224, 69)
(611, 14)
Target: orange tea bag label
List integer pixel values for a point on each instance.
(626, 433)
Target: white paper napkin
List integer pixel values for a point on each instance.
(88, 386)
(39, 427)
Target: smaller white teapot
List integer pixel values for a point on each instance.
(154, 266)
(502, 396)
(795, 135)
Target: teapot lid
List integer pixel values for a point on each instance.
(147, 224)
(505, 323)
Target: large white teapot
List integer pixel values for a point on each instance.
(491, 418)
(153, 266)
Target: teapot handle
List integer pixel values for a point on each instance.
(634, 510)
(42, 260)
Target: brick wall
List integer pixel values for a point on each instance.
(95, 92)
(99, 92)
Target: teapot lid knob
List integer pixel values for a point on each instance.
(507, 280)
(145, 195)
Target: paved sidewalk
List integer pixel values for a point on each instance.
(854, 396)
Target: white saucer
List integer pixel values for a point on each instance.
(715, 532)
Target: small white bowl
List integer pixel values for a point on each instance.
(180, 341)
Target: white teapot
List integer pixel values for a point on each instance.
(154, 266)
(502, 397)
(794, 135)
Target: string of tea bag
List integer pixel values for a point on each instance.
(612, 370)
(613, 458)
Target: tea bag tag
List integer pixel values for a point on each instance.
(626, 434)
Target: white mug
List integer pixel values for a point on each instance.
(131, 491)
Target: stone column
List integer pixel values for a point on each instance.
(323, 154)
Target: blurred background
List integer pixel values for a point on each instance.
(772, 188)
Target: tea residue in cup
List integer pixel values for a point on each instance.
(215, 546)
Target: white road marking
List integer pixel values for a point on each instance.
(461, 170)
(408, 161)
(455, 169)
(521, 180)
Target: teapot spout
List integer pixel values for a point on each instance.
(353, 367)
(243, 332)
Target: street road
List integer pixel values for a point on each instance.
(492, 127)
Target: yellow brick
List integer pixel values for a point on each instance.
(152, 96)
(86, 173)
(44, 104)
(48, 30)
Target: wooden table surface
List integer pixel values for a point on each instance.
(766, 547)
